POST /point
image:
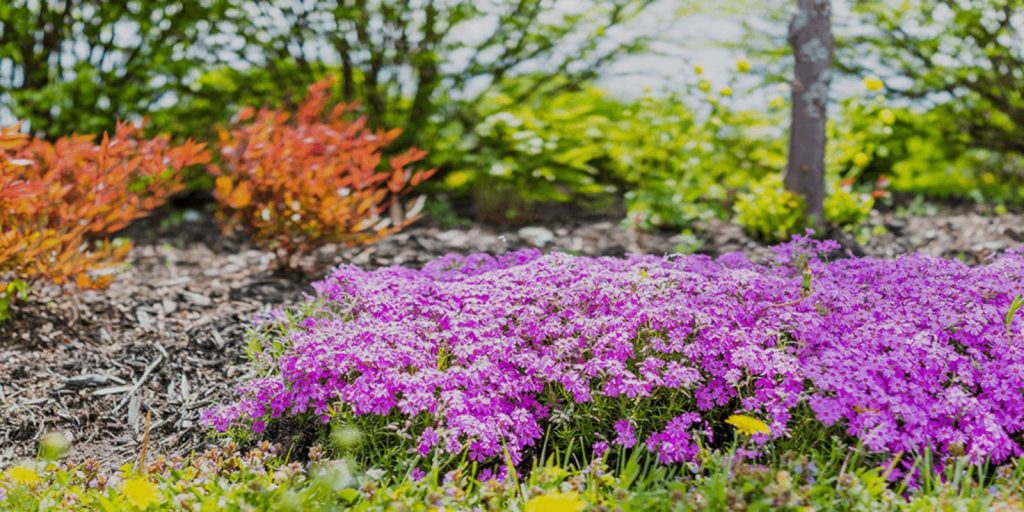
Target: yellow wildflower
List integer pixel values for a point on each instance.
(457, 179)
(861, 159)
(555, 502)
(22, 475)
(742, 65)
(704, 85)
(748, 425)
(726, 91)
(873, 83)
(141, 492)
(887, 116)
(777, 102)
(698, 69)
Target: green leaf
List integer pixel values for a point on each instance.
(1018, 301)
(349, 495)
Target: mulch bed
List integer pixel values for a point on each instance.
(168, 336)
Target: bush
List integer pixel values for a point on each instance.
(677, 158)
(496, 356)
(686, 156)
(60, 203)
(769, 211)
(523, 155)
(846, 208)
(296, 182)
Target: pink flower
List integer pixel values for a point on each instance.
(626, 434)
(487, 353)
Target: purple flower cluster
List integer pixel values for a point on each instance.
(903, 353)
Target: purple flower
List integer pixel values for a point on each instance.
(626, 434)
(428, 439)
(903, 354)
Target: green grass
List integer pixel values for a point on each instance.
(829, 476)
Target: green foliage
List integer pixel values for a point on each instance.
(16, 289)
(948, 76)
(909, 147)
(846, 208)
(770, 212)
(679, 158)
(961, 56)
(217, 93)
(408, 64)
(78, 67)
(551, 149)
(832, 477)
(686, 156)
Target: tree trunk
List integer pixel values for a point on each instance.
(810, 35)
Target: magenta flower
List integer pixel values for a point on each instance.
(902, 354)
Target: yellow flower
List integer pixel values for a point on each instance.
(873, 83)
(555, 502)
(704, 85)
(141, 492)
(748, 425)
(698, 69)
(777, 102)
(861, 159)
(988, 178)
(726, 91)
(742, 65)
(887, 116)
(457, 179)
(23, 475)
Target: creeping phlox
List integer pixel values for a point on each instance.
(905, 354)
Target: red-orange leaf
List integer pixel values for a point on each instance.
(299, 181)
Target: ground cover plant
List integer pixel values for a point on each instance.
(61, 202)
(496, 356)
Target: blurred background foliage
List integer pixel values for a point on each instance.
(508, 99)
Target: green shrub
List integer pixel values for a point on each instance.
(910, 147)
(684, 157)
(521, 155)
(769, 212)
(677, 158)
(846, 208)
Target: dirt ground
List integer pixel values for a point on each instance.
(167, 337)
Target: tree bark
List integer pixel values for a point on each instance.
(810, 35)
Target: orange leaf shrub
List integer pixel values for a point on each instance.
(296, 182)
(60, 202)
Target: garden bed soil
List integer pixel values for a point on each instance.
(167, 338)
